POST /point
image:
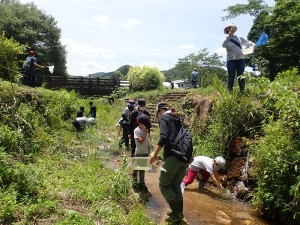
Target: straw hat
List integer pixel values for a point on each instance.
(232, 26)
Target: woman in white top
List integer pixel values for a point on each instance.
(235, 56)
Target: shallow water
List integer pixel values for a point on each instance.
(201, 207)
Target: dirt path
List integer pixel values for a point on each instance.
(200, 208)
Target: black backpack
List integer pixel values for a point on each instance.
(182, 145)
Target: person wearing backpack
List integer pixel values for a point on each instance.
(194, 78)
(173, 169)
(28, 68)
(207, 168)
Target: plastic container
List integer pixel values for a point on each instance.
(141, 163)
(248, 51)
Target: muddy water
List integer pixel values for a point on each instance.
(201, 207)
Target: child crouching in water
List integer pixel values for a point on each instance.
(141, 138)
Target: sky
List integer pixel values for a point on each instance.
(103, 35)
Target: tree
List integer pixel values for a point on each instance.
(10, 49)
(30, 26)
(145, 78)
(253, 8)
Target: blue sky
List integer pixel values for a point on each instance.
(101, 36)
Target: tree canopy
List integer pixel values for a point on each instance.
(32, 27)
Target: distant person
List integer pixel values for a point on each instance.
(173, 170)
(207, 168)
(235, 56)
(93, 110)
(141, 137)
(81, 123)
(80, 112)
(194, 78)
(134, 121)
(130, 105)
(28, 68)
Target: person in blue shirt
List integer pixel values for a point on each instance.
(194, 78)
(29, 71)
(93, 109)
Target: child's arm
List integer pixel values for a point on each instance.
(216, 180)
(142, 139)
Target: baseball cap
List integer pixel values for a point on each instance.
(141, 102)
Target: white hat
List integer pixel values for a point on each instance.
(220, 161)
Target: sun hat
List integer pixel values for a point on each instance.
(233, 27)
(220, 161)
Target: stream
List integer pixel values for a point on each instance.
(201, 207)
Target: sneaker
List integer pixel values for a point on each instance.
(174, 219)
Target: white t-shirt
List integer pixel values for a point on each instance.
(141, 148)
(202, 162)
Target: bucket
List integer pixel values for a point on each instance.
(141, 163)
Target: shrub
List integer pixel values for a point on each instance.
(145, 78)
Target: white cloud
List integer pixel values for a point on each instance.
(187, 47)
(221, 51)
(88, 67)
(102, 20)
(131, 23)
(86, 49)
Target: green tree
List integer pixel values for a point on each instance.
(10, 49)
(31, 26)
(145, 78)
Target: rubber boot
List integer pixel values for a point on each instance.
(176, 214)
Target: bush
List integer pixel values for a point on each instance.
(145, 78)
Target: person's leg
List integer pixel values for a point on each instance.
(190, 178)
(125, 134)
(134, 179)
(231, 68)
(204, 177)
(171, 175)
(240, 65)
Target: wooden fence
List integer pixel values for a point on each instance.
(85, 85)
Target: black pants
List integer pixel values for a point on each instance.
(125, 139)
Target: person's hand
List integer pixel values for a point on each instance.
(153, 157)
(231, 32)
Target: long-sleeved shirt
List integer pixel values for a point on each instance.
(234, 52)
